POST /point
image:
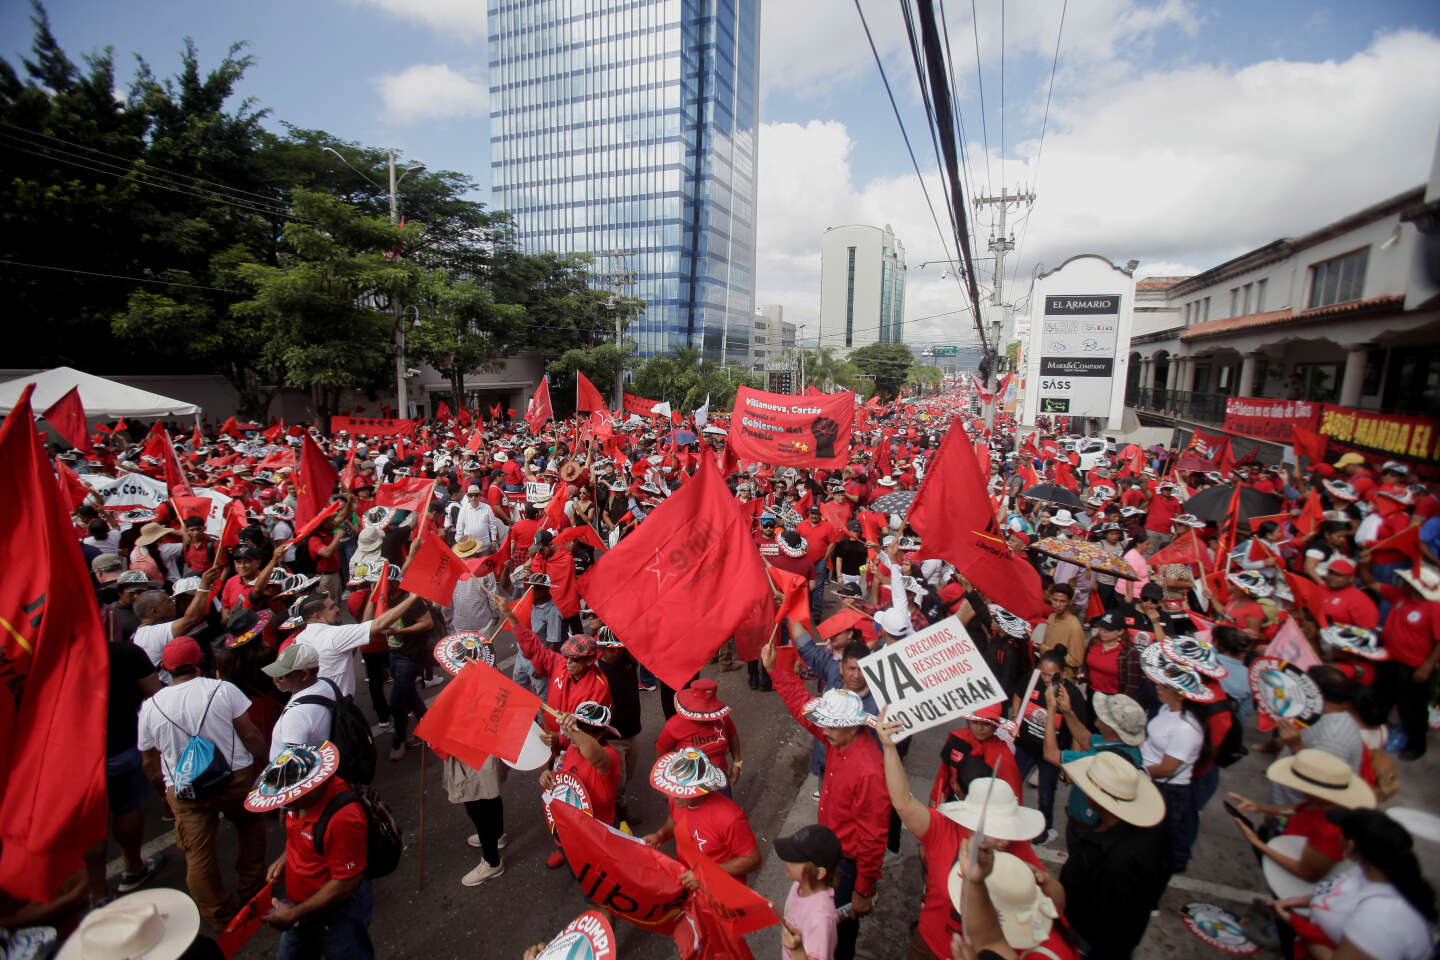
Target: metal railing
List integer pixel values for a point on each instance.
(1196, 407)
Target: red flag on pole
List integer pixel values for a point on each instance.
(407, 493)
(348, 477)
(174, 473)
(434, 571)
(953, 500)
(245, 924)
(538, 410)
(796, 605)
(67, 416)
(1183, 549)
(52, 716)
(1311, 515)
(1309, 444)
(315, 522)
(1002, 575)
(586, 396)
(380, 595)
(234, 523)
(442, 411)
(314, 482)
(480, 713)
(620, 872)
(1407, 541)
(694, 552)
(1310, 594)
(72, 491)
(739, 909)
(230, 427)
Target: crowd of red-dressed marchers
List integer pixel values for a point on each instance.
(1170, 610)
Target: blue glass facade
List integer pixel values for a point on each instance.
(627, 130)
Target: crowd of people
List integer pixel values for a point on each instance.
(234, 675)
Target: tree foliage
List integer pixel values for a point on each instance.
(888, 364)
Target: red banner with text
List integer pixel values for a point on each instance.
(792, 431)
(639, 406)
(373, 426)
(1399, 435)
(1269, 419)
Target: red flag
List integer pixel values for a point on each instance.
(1003, 576)
(318, 519)
(1216, 586)
(230, 427)
(694, 552)
(796, 605)
(407, 493)
(1309, 444)
(277, 459)
(494, 563)
(245, 924)
(495, 411)
(538, 410)
(234, 523)
(380, 595)
(463, 416)
(442, 411)
(72, 491)
(52, 716)
(434, 571)
(187, 507)
(953, 501)
(739, 909)
(347, 479)
(480, 713)
(620, 872)
(586, 396)
(314, 482)
(1183, 549)
(1310, 595)
(835, 514)
(477, 439)
(1229, 528)
(1407, 541)
(882, 458)
(67, 416)
(1094, 607)
(174, 473)
(1311, 515)
(273, 432)
(1279, 518)
(584, 533)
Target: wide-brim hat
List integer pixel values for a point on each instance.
(1123, 715)
(1353, 639)
(685, 774)
(459, 649)
(151, 532)
(1008, 623)
(799, 550)
(297, 771)
(1026, 914)
(1180, 677)
(1251, 582)
(570, 471)
(605, 637)
(466, 546)
(1284, 691)
(1197, 654)
(1112, 783)
(1187, 519)
(838, 709)
(1426, 583)
(1317, 773)
(1062, 518)
(700, 701)
(1005, 818)
(155, 924)
(1340, 490)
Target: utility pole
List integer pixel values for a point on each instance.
(800, 345)
(402, 393)
(1001, 243)
(610, 304)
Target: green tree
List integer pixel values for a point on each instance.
(600, 364)
(460, 328)
(829, 372)
(925, 375)
(888, 363)
(562, 310)
(685, 380)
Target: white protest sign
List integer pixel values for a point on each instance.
(536, 491)
(215, 519)
(932, 677)
(131, 497)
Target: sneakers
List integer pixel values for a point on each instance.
(646, 687)
(482, 873)
(1050, 836)
(556, 859)
(386, 725)
(134, 881)
(474, 841)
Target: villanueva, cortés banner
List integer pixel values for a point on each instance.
(792, 431)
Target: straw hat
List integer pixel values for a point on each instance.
(1005, 819)
(699, 701)
(466, 546)
(1113, 783)
(158, 924)
(1324, 775)
(1426, 583)
(153, 531)
(1026, 914)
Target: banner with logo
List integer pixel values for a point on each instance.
(1411, 437)
(936, 676)
(1078, 342)
(620, 873)
(130, 497)
(1270, 420)
(373, 426)
(785, 430)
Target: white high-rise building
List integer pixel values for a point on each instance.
(862, 286)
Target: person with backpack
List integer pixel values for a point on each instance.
(327, 901)
(318, 711)
(195, 733)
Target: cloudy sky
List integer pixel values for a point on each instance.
(1179, 133)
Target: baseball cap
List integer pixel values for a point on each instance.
(812, 844)
(181, 652)
(1340, 566)
(245, 551)
(1349, 459)
(297, 656)
(1110, 620)
(107, 567)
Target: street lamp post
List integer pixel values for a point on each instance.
(800, 342)
(402, 394)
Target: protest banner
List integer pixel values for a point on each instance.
(932, 677)
(535, 491)
(792, 431)
(1389, 434)
(1269, 419)
(130, 497)
(373, 426)
(620, 873)
(638, 406)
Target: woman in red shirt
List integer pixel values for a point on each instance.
(1112, 665)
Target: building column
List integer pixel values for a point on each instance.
(1246, 386)
(1187, 385)
(1147, 373)
(1172, 373)
(1354, 377)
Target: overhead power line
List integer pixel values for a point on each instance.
(1044, 125)
(980, 79)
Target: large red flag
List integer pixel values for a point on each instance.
(586, 396)
(693, 553)
(67, 416)
(1407, 541)
(1310, 595)
(953, 500)
(314, 482)
(538, 410)
(1311, 515)
(434, 571)
(316, 520)
(55, 667)
(72, 491)
(442, 411)
(174, 473)
(245, 924)
(1183, 549)
(739, 909)
(1002, 575)
(619, 872)
(479, 713)
(407, 493)
(1309, 444)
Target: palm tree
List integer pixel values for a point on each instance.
(828, 371)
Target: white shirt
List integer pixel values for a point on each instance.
(478, 520)
(151, 638)
(184, 704)
(1372, 916)
(1177, 734)
(335, 643)
(110, 544)
(303, 722)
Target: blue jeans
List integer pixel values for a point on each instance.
(1184, 819)
(1049, 779)
(404, 698)
(523, 673)
(817, 593)
(339, 932)
(1385, 573)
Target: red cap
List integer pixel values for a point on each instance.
(1340, 565)
(181, 652)
(990, 714)
(1021, 535)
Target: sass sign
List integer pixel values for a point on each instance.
(932, 677)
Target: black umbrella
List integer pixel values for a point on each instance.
(897, 502)
(1213, 502)
(1053, 493)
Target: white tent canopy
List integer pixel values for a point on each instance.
(103, 399)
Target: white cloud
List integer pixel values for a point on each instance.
(1173, 168)
(432, 92)
(463, 19)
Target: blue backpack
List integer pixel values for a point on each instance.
(203, 772)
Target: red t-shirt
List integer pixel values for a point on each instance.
(1413, 627)
(1161, 511)
(603, 788)
(710, 737)
(1351, 605)
(236, 594)
(317, 542)
(1309, 821)
(818, 538)
(769, 547)
(1132, 497)
(939, 848)
(1103, 668)
(346, 837)
(523, 533)
(718, 827)
(1389, 527)
(800, 566)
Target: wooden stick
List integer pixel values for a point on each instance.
(423, 751)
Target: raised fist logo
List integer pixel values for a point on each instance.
(825, 430)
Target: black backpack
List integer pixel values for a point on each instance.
(1232, 748)
(350, 732)
(383, 844)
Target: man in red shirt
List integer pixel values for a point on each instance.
(712, 821)
(820, 538)
(573, 677)
(1344, 602)
(702, 721)
(324, 546)
(328, 899)
(854, 801)
(558, 564)
(765, 540)
(1412, 638)
(1163, 508)
(591, 761)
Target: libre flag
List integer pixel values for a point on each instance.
(693, 553)
(435, 571)
(1002, 575)
(245, 924)
(56, 669)
(538, 410)
(67, 416)
(480, 713)
(587, 398)
(739, 909)
(620, 872)
(314, 483)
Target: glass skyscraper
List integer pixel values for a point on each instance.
(626, 130)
